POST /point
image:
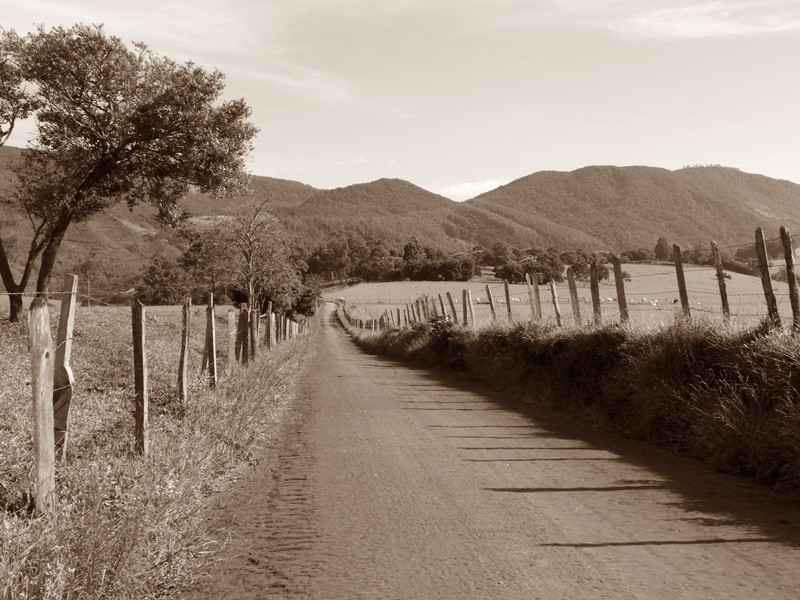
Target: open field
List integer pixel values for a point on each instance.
(652, 294)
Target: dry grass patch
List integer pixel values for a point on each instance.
(126, 527)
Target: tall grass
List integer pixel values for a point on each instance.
(126, 527)
(724, 394)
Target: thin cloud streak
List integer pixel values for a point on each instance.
(712, 19)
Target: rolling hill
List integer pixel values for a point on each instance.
(625, 207)
(594, 208)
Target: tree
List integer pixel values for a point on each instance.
(257, 253)
(163, 282)
(663, 249)
(114, 124)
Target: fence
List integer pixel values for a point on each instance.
(52, 378)
(681, 299)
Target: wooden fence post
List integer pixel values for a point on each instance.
(269, 326)
(573, 296)
(254, 318)
(211, 342)
(441, 303)
(470, 307)
(142, 428)
(63, 378)
(435, 310)
(531, 299)
(508, 300)
(723, 292)
(491, 302)
(464, 307)
(42, 361)
(677, 258)
(766, 282)
(183, 362)
(242, 334)
(791, 279)
(452, 308)
(399, 321)
(232, 331)
(556, 307)
(622, 301)
(594, 285)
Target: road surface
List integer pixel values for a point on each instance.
(394, 482)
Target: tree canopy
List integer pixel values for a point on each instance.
(115, 123)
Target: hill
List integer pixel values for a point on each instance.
(112, 247)
(594, 208)
(615, 208)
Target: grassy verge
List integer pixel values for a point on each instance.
(126, 527)
(726, 395)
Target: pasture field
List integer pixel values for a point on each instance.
(652, 295)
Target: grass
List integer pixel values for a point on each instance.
(725, 394)
(125, 527)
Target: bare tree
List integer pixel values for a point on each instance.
(259, 255)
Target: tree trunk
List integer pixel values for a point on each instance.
(14, 290)
(49, 257)
(15, 306)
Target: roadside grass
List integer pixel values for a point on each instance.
(728, 395)
(125, 527)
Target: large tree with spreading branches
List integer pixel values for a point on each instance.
(115, 123)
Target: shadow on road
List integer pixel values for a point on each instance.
(724, 500)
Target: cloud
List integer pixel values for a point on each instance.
(468, 189)
(719, 18)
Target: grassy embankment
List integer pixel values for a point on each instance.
(125, 527)
(727, 395)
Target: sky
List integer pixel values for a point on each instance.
(461, 96)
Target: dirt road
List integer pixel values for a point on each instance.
(390, 482)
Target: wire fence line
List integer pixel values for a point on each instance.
(506, 304)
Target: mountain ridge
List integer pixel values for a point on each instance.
(602, 207)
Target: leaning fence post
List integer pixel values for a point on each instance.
(766, 282)
(464, 307)
(399, 321)
(183, 362)
(619, 280)
(491, 302)
(573, 296)
(452, 308)
(531, 300)
(441, 303)
(470, 307)
(791, 279)
(677, 258)
(42, 361)
(723, 292)
(63, 378)
(556, 307)
(142, 429)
